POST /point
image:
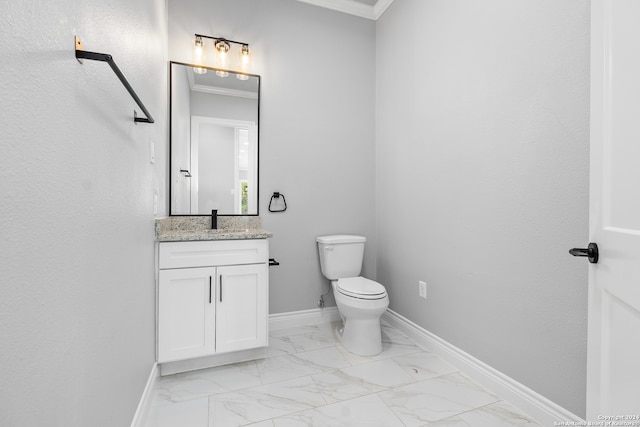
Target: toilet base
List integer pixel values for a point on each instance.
(360, 332)
(361, 337)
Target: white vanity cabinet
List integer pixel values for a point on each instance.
(212, 297)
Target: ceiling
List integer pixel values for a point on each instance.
(369, 9)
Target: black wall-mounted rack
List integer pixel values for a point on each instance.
(276, 196)
(104, 57)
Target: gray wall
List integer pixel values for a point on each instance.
(316, 125)
(77, 292)
(482, 180)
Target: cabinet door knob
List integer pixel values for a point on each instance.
(209, 289)
(221, 288)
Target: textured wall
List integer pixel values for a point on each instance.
(316, 125)
(482, 180)
(76, 219)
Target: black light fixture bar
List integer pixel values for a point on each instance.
(222, 39)
(104, 57)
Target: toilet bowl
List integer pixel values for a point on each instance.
(360, 313)
(360, 301)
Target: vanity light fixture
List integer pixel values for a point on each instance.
(222, 46)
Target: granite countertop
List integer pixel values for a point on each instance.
(195, 228)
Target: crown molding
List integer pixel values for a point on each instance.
(380, 7)
(353, 7)
(224, 91)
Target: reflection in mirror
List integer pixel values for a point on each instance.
(214, 141)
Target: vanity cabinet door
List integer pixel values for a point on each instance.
(241, 307)
(186, 313)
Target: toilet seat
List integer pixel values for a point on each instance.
(360, 287)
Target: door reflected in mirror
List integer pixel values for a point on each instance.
(214, 141)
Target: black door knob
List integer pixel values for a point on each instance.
(591, 252)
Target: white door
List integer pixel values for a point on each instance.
(186, 313)
(241, 307)
(613, 357)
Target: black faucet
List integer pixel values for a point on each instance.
(214, 219)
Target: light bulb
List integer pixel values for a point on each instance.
(222, 46)
(198, 56)
(244, 57)
(244, 63)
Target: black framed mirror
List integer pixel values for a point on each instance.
(214, 141)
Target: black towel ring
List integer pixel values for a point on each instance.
(277, 195)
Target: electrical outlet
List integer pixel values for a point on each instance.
(422, 289)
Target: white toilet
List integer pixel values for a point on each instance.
(360, 301)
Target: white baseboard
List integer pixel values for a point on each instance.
(303, 318)
(140, 417)
(533, 404)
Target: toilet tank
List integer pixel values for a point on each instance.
(341, 255)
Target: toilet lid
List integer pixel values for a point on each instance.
(359, 287)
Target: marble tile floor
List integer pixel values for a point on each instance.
(309, 379)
